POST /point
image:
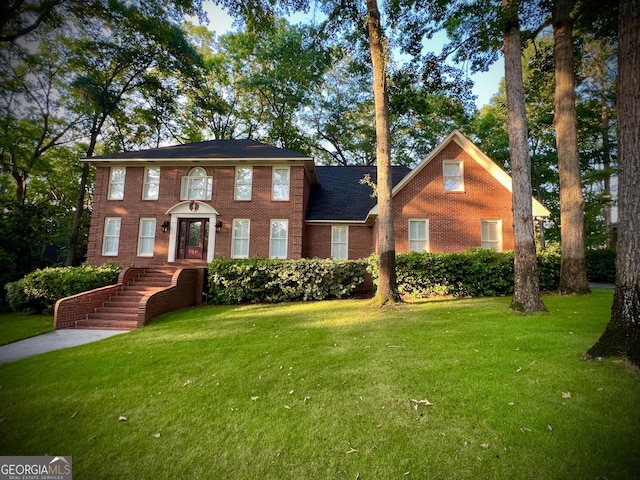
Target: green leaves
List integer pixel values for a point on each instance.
(260, 280)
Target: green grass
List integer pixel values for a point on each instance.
(325, 390)
(17, 326)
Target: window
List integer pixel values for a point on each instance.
(146, 237)
(116, 183)
(419, 235)
(240, 238)
(280, 183)
(244, 177)
(492, 234)
(278, 238)
(340, 242)
(197, 185)
(151, 187)
(453, 176)
(111, 236)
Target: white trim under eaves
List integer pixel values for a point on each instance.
(483, 160)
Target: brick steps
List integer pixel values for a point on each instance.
(121, 310)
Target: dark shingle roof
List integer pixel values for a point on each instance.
(212, 149)
(341, 196)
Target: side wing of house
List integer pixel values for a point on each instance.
(190, 204)
(455, 199)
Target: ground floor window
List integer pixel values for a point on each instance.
(278, 238)
(240, 238)
(492, 234)
(419, 235)
(111, 236)
(146, 237)
(340, 242)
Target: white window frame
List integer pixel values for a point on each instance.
(340, 242)
(116, 185)
(412, 241)
(111, 238)
(187, 189)
(243, 184)
(151, 189)
(240, 240)
(485, 234)
(458, 179)
(146, 237)
(279, 240)
(275, 193)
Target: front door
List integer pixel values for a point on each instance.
(192, 238)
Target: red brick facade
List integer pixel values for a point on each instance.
(453, 218)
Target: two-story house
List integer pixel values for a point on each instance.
(176, 207)
(188, 204)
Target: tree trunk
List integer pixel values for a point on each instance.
(387, 285)
(622, 335)
(573, 266)
(526, 294)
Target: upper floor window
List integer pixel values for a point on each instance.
(244, 179)
(116, 183)
(278, 238)
(419, 235)
(197, 185)
(452, 172)
(240, 238)
(340, 242)
(111, 239)
(280, 183)
(146, 237)
(492, 234)
(151, 187)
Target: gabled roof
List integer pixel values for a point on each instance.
(212, 152)
(339, 195)
(236, 149)
(483, 160)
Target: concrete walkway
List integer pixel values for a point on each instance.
(56, 340)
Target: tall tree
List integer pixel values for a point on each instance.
(115, 69)
(526, 294)
(387, 285)
(622, 334)
(573, 266)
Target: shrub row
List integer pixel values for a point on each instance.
(259, 280)
(39, 290)
(482, 272)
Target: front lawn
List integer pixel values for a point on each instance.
(336, 390)
(17, 326)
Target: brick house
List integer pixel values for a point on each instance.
(164, 213)
(188, 204)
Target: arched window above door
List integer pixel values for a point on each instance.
(197, 185)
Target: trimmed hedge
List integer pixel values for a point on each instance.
(260, 280)
(41, 289)
(475, 273)
(601, 265)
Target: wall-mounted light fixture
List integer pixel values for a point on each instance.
(219, 226)
(165, 226)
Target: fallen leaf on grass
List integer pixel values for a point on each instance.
(188, 382)
(352, 450)
(484, 445)
(525, 429)
(156, 435)
(287, 407)
(566, 394)
(122, 418)
(255, 398)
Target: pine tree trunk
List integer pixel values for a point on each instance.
(387, 285)
(573, 266)
(622, 335)
(526, 294)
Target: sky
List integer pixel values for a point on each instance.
(486, 84)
